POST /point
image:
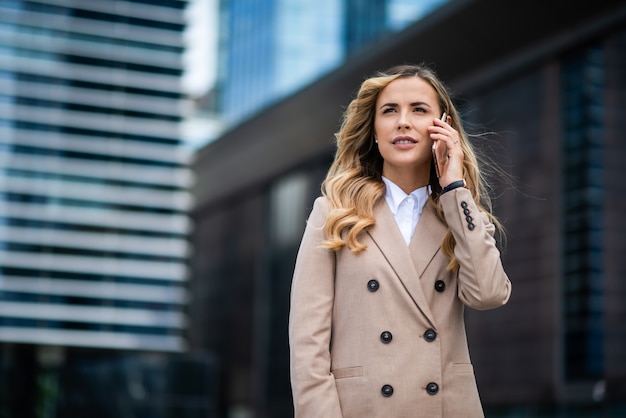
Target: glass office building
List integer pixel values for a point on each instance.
(93, 212)
(93, 188)
(271, 48)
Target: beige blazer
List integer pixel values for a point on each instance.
(381, 333)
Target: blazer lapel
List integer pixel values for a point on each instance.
(386, 234)
(426, 240)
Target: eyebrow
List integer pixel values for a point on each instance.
(412, 104)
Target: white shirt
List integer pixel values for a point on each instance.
(406, 208)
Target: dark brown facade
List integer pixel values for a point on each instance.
(549, 80)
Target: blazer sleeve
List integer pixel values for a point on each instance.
(483, 284)
(310, 323)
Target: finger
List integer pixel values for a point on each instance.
(442, 130)
(443, 137)
(442, 122)
(438, 124)
(450, 137)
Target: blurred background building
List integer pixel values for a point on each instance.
(106, 311)
(94, 212)
(266, 50)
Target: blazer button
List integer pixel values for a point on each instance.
(432, 388)
(386, 337)
(471, 226)
(466, 211)
(430, 335)
(372, 285)
(387, 390)
(464, 205)
(440, 285)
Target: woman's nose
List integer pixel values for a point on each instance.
(403, 121)
(403, 124)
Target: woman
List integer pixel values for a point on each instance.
(390, 256)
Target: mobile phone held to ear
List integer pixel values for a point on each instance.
(443, 118)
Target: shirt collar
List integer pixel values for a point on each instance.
(395, 195)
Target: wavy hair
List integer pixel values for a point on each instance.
(354, 183)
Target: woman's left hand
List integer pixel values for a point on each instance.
(447, 147)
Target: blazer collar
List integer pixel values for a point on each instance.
(427, 238)
(424, 245)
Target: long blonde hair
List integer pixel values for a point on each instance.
(353, 184)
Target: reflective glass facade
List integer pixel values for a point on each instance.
(93, 178)
(271, 48)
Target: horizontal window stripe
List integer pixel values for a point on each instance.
(124, 9)
(101, 290)
(85, 277)
(41, 225)
(174, 4)
(29, 297)
(92, 314)
(103, 171)
(105, 100)
(92, 121)
(35, 324)
(40, 79)
(37, 126)
(51, 200)
(14, 52)
(153, 246)
(154, 270)
(74, 71)
(81, 48)
(118, 195)
(39, 250)
(32, 172)
(93, 339)
(40, 149)
(105, 218)
(97, 146)
(123, 31)
(66, 106)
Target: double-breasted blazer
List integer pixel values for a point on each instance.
(381, 333)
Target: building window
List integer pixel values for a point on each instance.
(288, 210)
(583, 84)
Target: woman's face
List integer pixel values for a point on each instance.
(404, 110)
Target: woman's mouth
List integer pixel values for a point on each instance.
(403, 140)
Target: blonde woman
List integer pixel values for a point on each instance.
(391, 255)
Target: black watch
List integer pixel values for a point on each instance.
(453, 185)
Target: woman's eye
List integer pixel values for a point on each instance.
(388, 110)
(419, 110)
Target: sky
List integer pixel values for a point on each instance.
(201, 41)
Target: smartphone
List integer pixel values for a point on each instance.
(443, 118)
